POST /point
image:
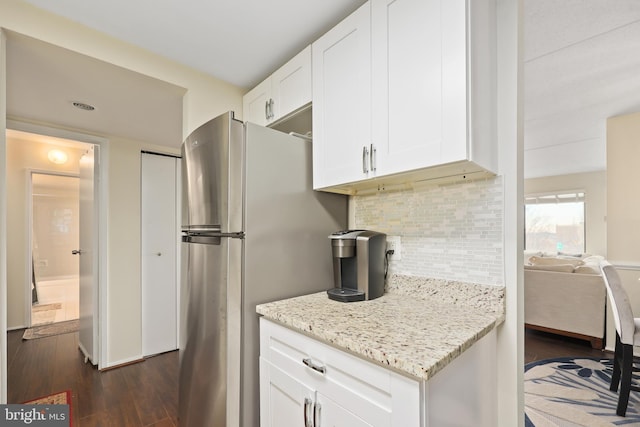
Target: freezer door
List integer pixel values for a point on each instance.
(210, 334)
(212, 175)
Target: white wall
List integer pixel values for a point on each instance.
(206, 97)
(510, 138)
(594, 185)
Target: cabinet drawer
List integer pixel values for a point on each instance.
(373, 392)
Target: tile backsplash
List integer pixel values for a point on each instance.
(451, 231)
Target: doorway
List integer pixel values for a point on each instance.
(29, 150)
(55, 229)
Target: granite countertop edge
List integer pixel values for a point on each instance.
(416, 328)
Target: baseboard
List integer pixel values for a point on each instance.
(15, 328)
(121, 363)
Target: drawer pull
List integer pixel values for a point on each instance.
(318, 368)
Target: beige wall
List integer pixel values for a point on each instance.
(623, 180)
(22, 156)
(206, 97)
(595, 188)
(623, 206)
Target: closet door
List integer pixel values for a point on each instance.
(159, 244)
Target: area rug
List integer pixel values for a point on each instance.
(60, 398)
(52, 329)
(574, 392)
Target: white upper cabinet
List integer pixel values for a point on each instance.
(342, 101)
(255, 104)
(431, 99)
(286, 90)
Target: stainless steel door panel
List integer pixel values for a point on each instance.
(205, 157)
(203, 351)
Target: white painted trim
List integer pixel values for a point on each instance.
(179, 245)
(510, 356)
(3, 217)
(103, 203)
(120, 362)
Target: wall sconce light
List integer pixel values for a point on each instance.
(58, 157)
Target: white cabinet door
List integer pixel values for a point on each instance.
(291, 85)
(255, 104)
(430, 111)
(345, 390)
(284, 400)
(330, 413)
(407, 73)
(342, 101)
(159, 210)
(283, 92)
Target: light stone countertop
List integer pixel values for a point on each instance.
(417, 327)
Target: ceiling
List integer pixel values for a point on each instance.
(44, 80)
(239, 41)
(581, 65)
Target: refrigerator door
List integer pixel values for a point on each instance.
(210, 334)
(286, 250)
(212, 176)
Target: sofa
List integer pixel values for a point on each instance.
(566, 295)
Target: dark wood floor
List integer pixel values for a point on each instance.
(543, 345)
(138, 395)
(145, 394)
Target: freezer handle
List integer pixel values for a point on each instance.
(209, 238)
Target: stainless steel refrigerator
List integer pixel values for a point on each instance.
(253, 231)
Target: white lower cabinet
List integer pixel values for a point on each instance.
(306, 383)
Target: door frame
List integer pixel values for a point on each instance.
(29, 238)
(103, 204)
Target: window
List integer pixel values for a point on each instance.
(555, 223)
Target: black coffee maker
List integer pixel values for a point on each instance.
(358, 265)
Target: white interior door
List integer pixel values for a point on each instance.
(88, 252)
(159, 253)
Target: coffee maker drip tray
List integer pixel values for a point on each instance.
(345, 294)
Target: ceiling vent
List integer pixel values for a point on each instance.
(83, 106)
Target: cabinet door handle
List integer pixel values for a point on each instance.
(373, 157)
(365, 158)
(307, 412)
(271, 102)
(266, 110)
(314, 366)
(316, 414)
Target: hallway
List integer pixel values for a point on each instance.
(139, 395)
